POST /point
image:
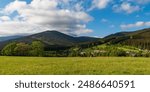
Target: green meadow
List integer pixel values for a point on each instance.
(74, 66)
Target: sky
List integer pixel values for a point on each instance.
(97, 18)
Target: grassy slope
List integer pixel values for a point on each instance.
(98, 65)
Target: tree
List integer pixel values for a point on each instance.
(8, 50)
(22, 49)
(37, 48)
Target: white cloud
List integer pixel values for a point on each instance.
(65, 1)
(100, 4)
(44, 4)
(4, 18)
(13, 6)
(147, 23)
(78, 7)
(126, 7)
(42, 15)
(135, 25)
(21, 27)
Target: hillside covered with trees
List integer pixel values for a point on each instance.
(56, 44)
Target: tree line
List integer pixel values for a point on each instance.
(36, 48)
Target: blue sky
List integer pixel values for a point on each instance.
(76, 17)
(113, 20)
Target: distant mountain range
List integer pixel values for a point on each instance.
(55, 39)
(9, 38)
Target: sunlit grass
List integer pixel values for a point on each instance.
(74, 65)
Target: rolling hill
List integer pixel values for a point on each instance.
(140, 38)
(58, 40)
(53, 39)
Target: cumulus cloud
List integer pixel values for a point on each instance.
(13, 6)
(135, 25)
(42, 15)
(4, 18)
(126, 7)
(100, 4)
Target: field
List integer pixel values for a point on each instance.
(74, 66)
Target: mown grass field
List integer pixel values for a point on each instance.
(74, 66)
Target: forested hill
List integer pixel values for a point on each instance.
(140, 38)
(54, 43)
(52, 39)
(55, 39)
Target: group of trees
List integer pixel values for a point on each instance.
(140, 43)
(96, 53)
(36, 48)
(109, 50)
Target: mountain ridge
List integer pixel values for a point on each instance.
(140, 38)
(9, 37)
(56, 39)
(52, 39)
